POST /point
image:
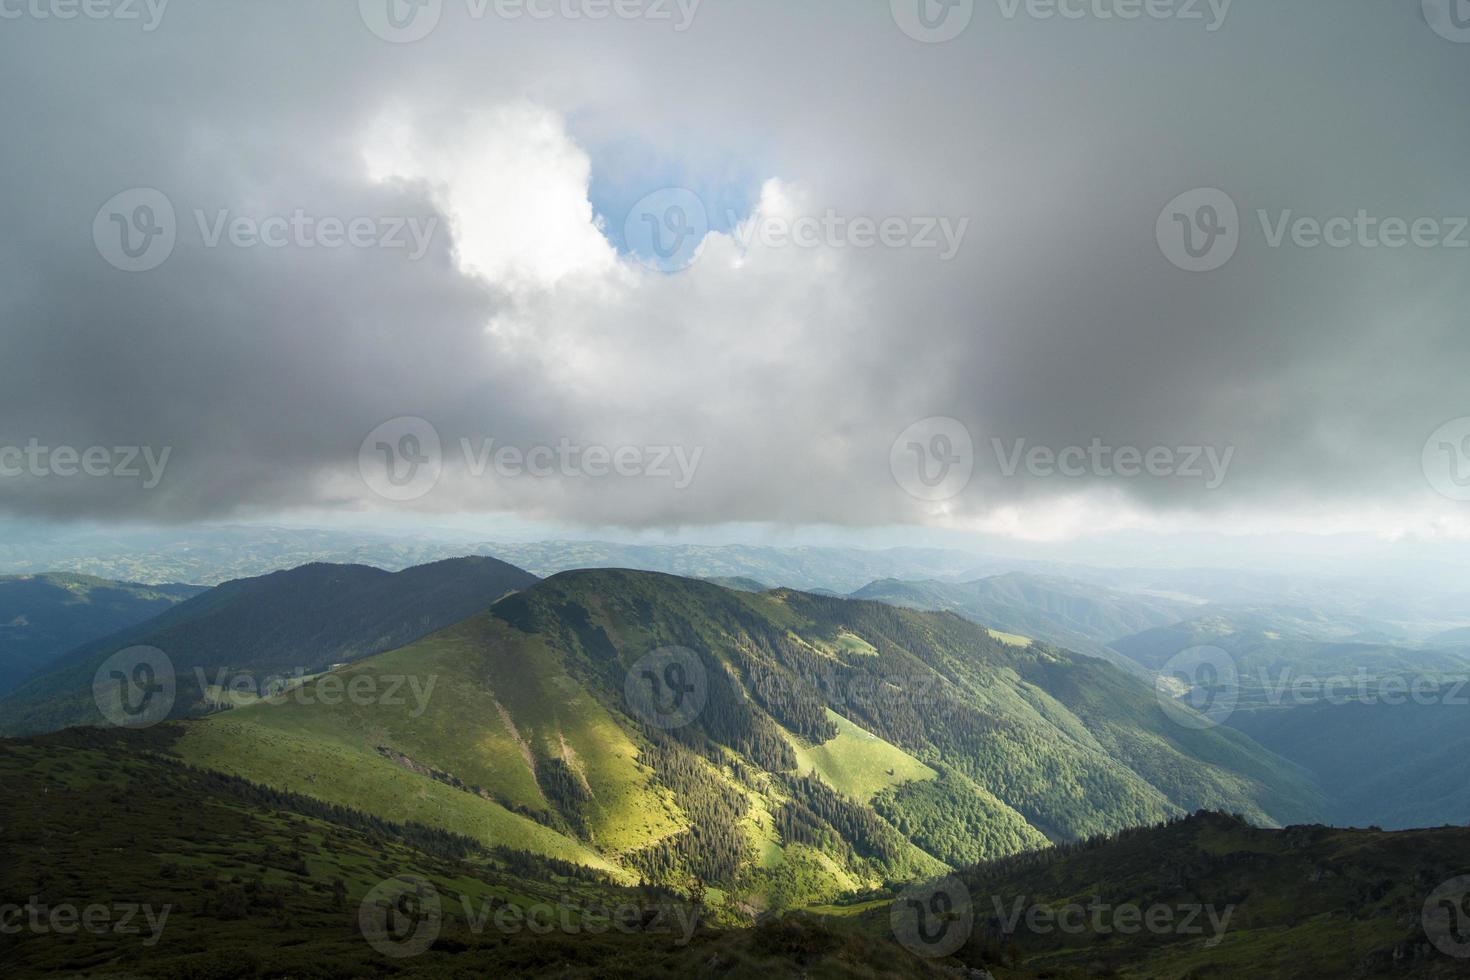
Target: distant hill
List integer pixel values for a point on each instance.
(298, 621)
(1389, 765)
(1456, 636)
(807, 568)
(1269, 656)
(44, 616)
(213, 555)
(836, 744)
(1081, 617)
(1263, 632)
(1321, 704)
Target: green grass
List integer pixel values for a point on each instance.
(254, 891)
(488, 700)
(1307, 901)
(849, 642)
(858, 763)
(363, 780)
(514, 731)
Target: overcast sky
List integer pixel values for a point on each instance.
(865, 223)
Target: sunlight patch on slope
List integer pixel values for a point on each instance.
(858, 763)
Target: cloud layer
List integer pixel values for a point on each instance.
(810, 330)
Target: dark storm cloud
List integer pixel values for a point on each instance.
(1058, 322)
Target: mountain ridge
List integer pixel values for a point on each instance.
(834, 736)
(291, 621)
(46, 614)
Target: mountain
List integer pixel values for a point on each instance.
(280, 627)
(1394, 761)
(213, 555)
(1078, 616)
(153, 868)
(827, 745)
(1263, 634)
(1020, 603)
(1275, 655)
(1387, 600)
(238, 881)
(43, 616)
(1455, 637)
(1380, 723)
(808, 568)
(1209, 896)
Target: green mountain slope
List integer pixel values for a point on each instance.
(290, 623)
(934, 685)
(1211, 896)
(45, 616)
(835, 745)
(120, 861)
(188, 875)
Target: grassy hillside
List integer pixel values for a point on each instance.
(223, 879)
(499, 709)
(835, 745)
(858, 763)
(45, 616)
(288, 623)
(1211, 896)
(226, 879)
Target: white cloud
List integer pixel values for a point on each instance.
(512, 183)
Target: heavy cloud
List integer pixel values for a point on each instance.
(791, 369)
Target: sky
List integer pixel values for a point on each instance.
(1026, 271)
